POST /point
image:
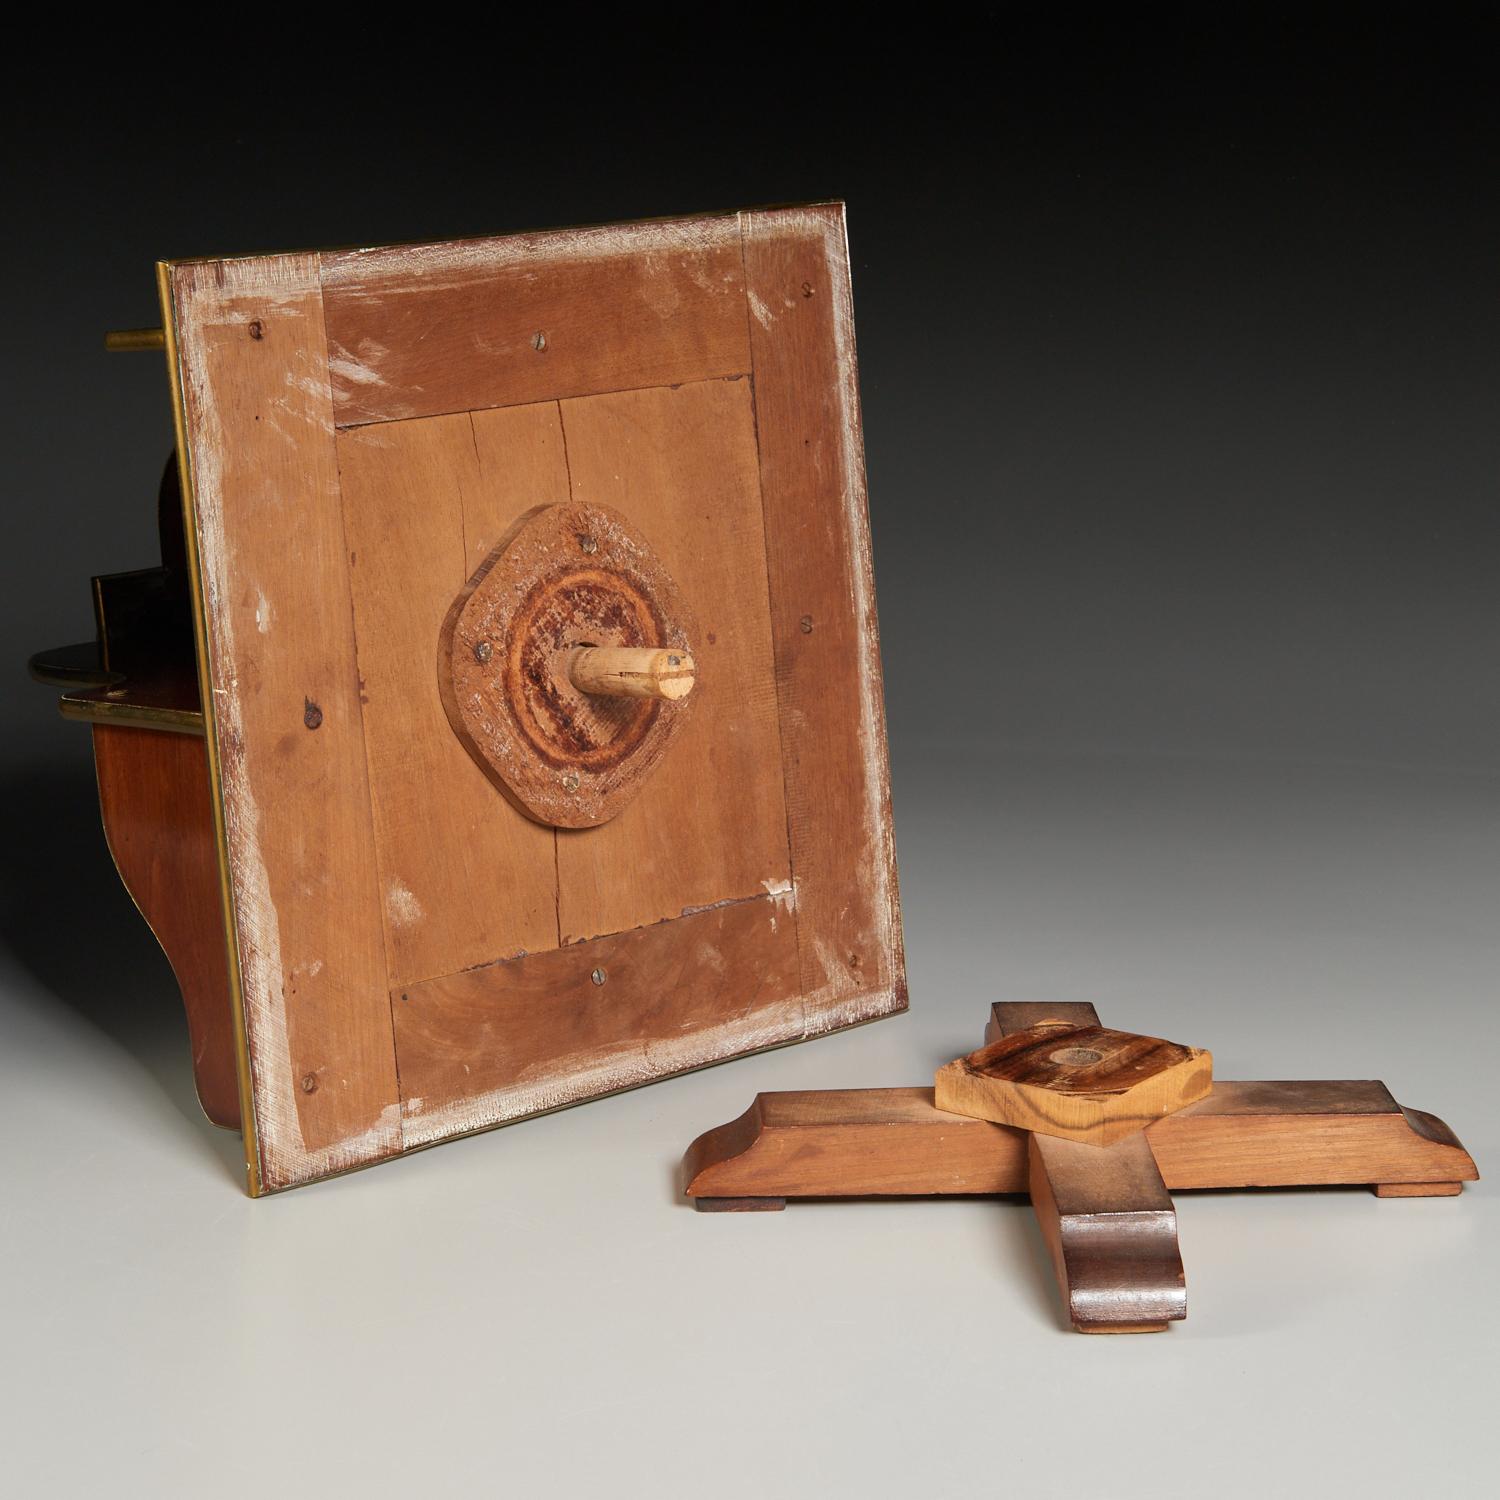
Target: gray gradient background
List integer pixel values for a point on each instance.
(1178, 345)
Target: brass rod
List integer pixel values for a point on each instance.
(124, 340)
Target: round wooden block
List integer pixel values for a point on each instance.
(1084, 1083)
(566, 579)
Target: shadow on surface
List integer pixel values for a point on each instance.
(68, 922)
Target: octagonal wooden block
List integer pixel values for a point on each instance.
(1084, 1083)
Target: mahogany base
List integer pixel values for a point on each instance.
(1105, 1212)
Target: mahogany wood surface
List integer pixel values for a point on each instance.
(1111, 1232)
(839, 1143)
(158, 820)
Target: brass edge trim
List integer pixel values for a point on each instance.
(143, 716)
(205, 689)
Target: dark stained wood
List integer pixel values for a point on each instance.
(420, 330)
(739, 1205)
(1007, 1016)
(158, 820)
(1105, 1214)
(547, 1029)
(822, 597)
(896, 1143)
(1111, 1232)
(1083, 1083)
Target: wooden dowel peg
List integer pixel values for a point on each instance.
(126, 340)
(632, 672)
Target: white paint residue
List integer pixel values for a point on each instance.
(388, 271)
(763, 314)
(571, 1080)
(264, 614)
(207, 298)
(401, 905)
(342, 367)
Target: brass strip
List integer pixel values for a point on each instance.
(128, 340)
(143, 715)
(206, 698)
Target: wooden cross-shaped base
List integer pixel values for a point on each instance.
(1105, 1211)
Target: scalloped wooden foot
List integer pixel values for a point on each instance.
(1104, 1210)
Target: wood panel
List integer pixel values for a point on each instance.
(538, 1032)
(158, 819)
(823, 615)
(420, 330)
(710, 822)
(282, 697)
(464, 877)
(896, 1142)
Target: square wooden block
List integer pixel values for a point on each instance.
(412, 958)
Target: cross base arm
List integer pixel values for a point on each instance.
(856, 1143)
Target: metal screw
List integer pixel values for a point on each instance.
(310, 1083)
(598, 976)
(588, 543)
(806, 623)
(674, 661)
(312, 715)
(570, 782)
(482, 651)
(539, 342)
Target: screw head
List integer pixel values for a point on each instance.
(806, 623)
(482, 651)
(570, 782)
(599, 976)
(588, 543)
(539, 341)
(309, 1083)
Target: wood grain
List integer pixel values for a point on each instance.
(895, 1142)
(564, 578)
(421, 330)
(1111, 1233)
(1106, 1217)
(464, 877)
(710, 823)
(823, 614)
(547, 1029)
(158, 819)
(1080, 1083)
(282, 700)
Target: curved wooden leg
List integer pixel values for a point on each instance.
(1111, 1231)
(158, 820)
